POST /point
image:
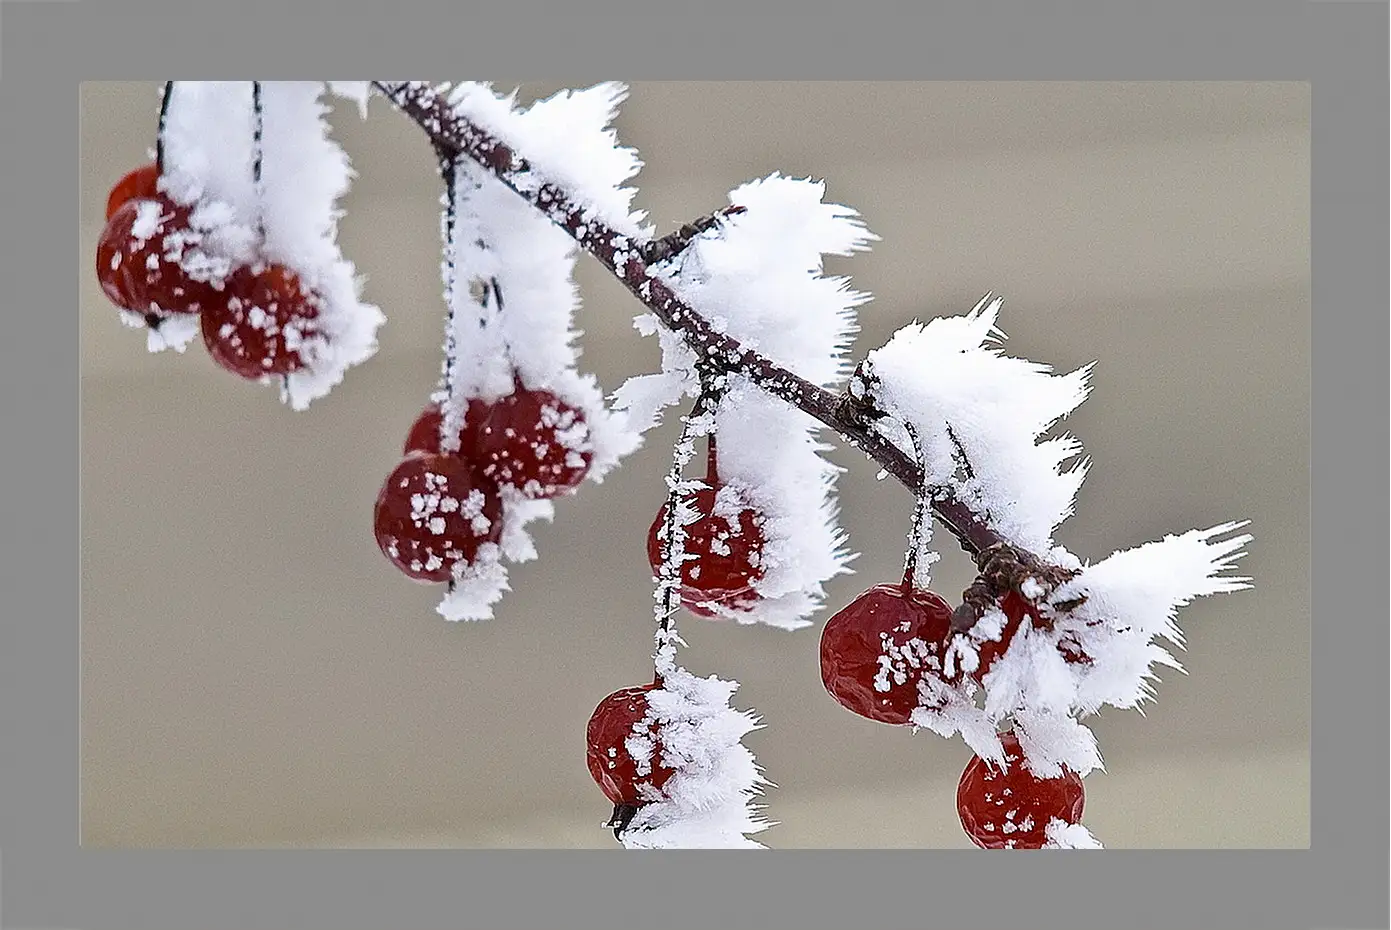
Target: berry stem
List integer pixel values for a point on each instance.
(449, 413)
(165, 97)
(712, 472)
(674, 551)
(428, 108)
(921, 530)
(257, 153)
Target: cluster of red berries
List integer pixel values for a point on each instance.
(439, 507)
(878, 651)
(879, 654)
(257, 322)
(724, 550)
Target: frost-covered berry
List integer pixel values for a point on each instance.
(139, 259)
(727, 550)
(424, 434)
(533, 441)
(143, 182)
(263, 322)
(1010, 808)
(877, 648)
(434, 512)
(530, 440)
(990, 638)
(618, 727)
(1016, 610)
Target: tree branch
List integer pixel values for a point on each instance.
(627, 260)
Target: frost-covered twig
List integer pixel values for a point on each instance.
(752, 327)
(623, 254)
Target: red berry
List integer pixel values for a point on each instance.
(530, 440)
(1016, 609)
(138, 260)
(112, 247)
(1010, 808)
(611, 764)
(728, 556)
(434, 512)
(143, 182)
(261, 323)
(424, 435)
(875, 650)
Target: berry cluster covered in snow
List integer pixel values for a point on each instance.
(232, 233)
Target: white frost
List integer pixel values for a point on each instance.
(176, 331)
(950, 379)
(514, 298)
(477, 587)
(358, 92)
(532, 262)
(709, 802)
(567, 141)
(209, 161)
(1131, 599)
(1059, 834)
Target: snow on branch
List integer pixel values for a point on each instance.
(622, 246)
(568, 145)
(980, 414)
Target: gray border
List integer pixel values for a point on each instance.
(1341, 882)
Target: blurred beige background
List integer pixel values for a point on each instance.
(254, 673)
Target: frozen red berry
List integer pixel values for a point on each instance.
(530, 440)
(877, 648)
(1016, 610)
(143, 182)
(627, 779)
(1011, 807)
(139, 259)
(726, 541)
(728, 550)
(435, 512)
(263, 323)
(425, 433)
(113, 246)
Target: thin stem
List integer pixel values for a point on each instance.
(163, 123)
(257, 155)
(449, 426)
(623, 257)
(915, 534)
(674, 536)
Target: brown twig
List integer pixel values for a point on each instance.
(659, 250)
(627, 260)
